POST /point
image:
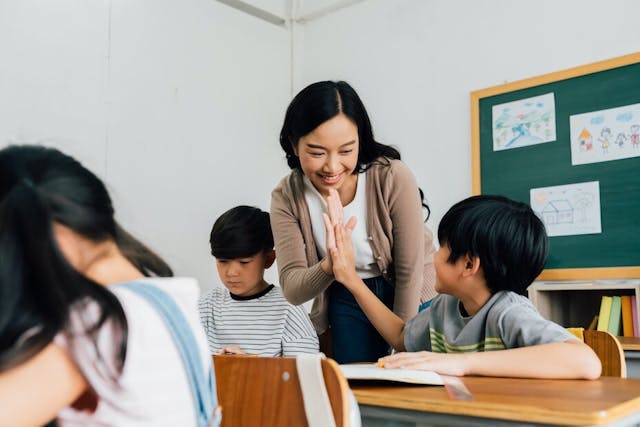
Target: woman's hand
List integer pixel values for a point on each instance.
(339, 245)
(334, 218)
(442, 363)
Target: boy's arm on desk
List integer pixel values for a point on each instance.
(566, 360)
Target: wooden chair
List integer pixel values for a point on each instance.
(608, 349)
(261, 391)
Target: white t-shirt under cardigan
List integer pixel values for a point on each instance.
(264, 324)
(365, 262)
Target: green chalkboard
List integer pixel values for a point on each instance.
(615, 252)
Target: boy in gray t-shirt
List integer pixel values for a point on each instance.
(491, 249)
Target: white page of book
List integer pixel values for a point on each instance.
(371, 371)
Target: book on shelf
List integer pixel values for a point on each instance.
(603, 316)
(614, 315)
(618, 315)
(594, 323)
(634, 313)
(627, 316)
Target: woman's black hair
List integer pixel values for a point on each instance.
(241, 232)
(38, 286)
(507, 236)
(322, 101)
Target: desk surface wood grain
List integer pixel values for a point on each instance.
(563, 402)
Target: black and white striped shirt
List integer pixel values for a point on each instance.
(264, 324)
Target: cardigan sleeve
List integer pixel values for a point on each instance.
(299, 282)
(405, 211)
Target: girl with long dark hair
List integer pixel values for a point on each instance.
(76, 342)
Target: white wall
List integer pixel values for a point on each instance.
(415, 62)
(176, 104)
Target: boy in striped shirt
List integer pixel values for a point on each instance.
(249, 315)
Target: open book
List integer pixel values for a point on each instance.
(371, 371)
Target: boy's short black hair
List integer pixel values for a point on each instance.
(507, 237)
(241, 232)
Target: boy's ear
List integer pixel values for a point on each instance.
(471, 265)
(270, 257)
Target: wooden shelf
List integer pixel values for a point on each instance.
(630, 343)
(574, 304)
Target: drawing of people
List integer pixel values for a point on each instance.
(635, 136)
(605, 135)
(620, 139)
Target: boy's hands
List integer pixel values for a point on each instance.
(442, 363)
(339, 245)
(230, 350)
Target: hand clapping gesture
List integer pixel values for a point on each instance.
(342, 257)
(339, 246)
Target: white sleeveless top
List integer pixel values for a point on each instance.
(153, 388)
(366, 266)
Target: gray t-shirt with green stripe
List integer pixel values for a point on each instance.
(507, 320)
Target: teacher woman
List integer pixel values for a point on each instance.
(329, 144)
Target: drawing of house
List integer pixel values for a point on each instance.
(585, 140)
(558, 212)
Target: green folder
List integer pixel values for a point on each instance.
(615, 316)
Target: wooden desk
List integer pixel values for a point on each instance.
(502, 402)
(631, 347)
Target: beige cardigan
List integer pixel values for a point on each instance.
(402, 244)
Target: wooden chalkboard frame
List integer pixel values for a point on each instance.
(572, 73)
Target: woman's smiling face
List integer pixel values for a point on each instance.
(329, 155)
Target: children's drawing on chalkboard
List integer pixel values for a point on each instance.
(585, 140)
(621, 139)
(524, 122)
(568, 210)
(605, 136)
(634, 136)
(615, 133)
(558, 212)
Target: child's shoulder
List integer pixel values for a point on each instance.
(275, 294)
(216, 293)
(510, 306)
(507, 299)
(442, 302)
(182, 290)
(498, 302)
(277, 297)
(269, 296)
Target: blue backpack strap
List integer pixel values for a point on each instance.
(202, 386)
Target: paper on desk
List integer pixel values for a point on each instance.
(373, 372)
